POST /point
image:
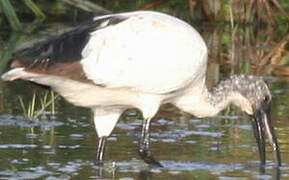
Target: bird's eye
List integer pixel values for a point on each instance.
(266, 99)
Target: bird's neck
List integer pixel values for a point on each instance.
(230, 91)
(203, 102)
(218, 98)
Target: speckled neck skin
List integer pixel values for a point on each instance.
(245, 91)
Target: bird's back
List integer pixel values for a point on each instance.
(149, 51)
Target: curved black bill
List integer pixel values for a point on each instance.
(262, 124)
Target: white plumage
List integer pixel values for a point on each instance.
(144, 60)
(130, 54)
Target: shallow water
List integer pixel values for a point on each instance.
(61, 145)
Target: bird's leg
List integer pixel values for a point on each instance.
(100, 151)
(144, 145)
(104, 122)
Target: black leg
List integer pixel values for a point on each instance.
(100, 151)
(145, 174)
(144, 145)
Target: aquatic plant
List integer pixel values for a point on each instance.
(241, 11)
(40, 16)
(37, 106)
(10, 13)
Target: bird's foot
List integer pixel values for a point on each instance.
(146, 155)
(99, 163)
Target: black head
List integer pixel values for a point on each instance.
(254, 97)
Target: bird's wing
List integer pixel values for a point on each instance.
(149, 51)
(60, 55)
(143, 51)
(64, 48)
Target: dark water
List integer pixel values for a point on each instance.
(61, 145)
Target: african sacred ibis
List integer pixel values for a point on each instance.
(141, 60)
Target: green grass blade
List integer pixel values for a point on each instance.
(40, 16)
(50, 102)
(22, 105)
(32, 113)
(9, 12)
(8, 50)
(52, 95)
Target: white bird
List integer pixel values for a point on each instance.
(141, 60)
